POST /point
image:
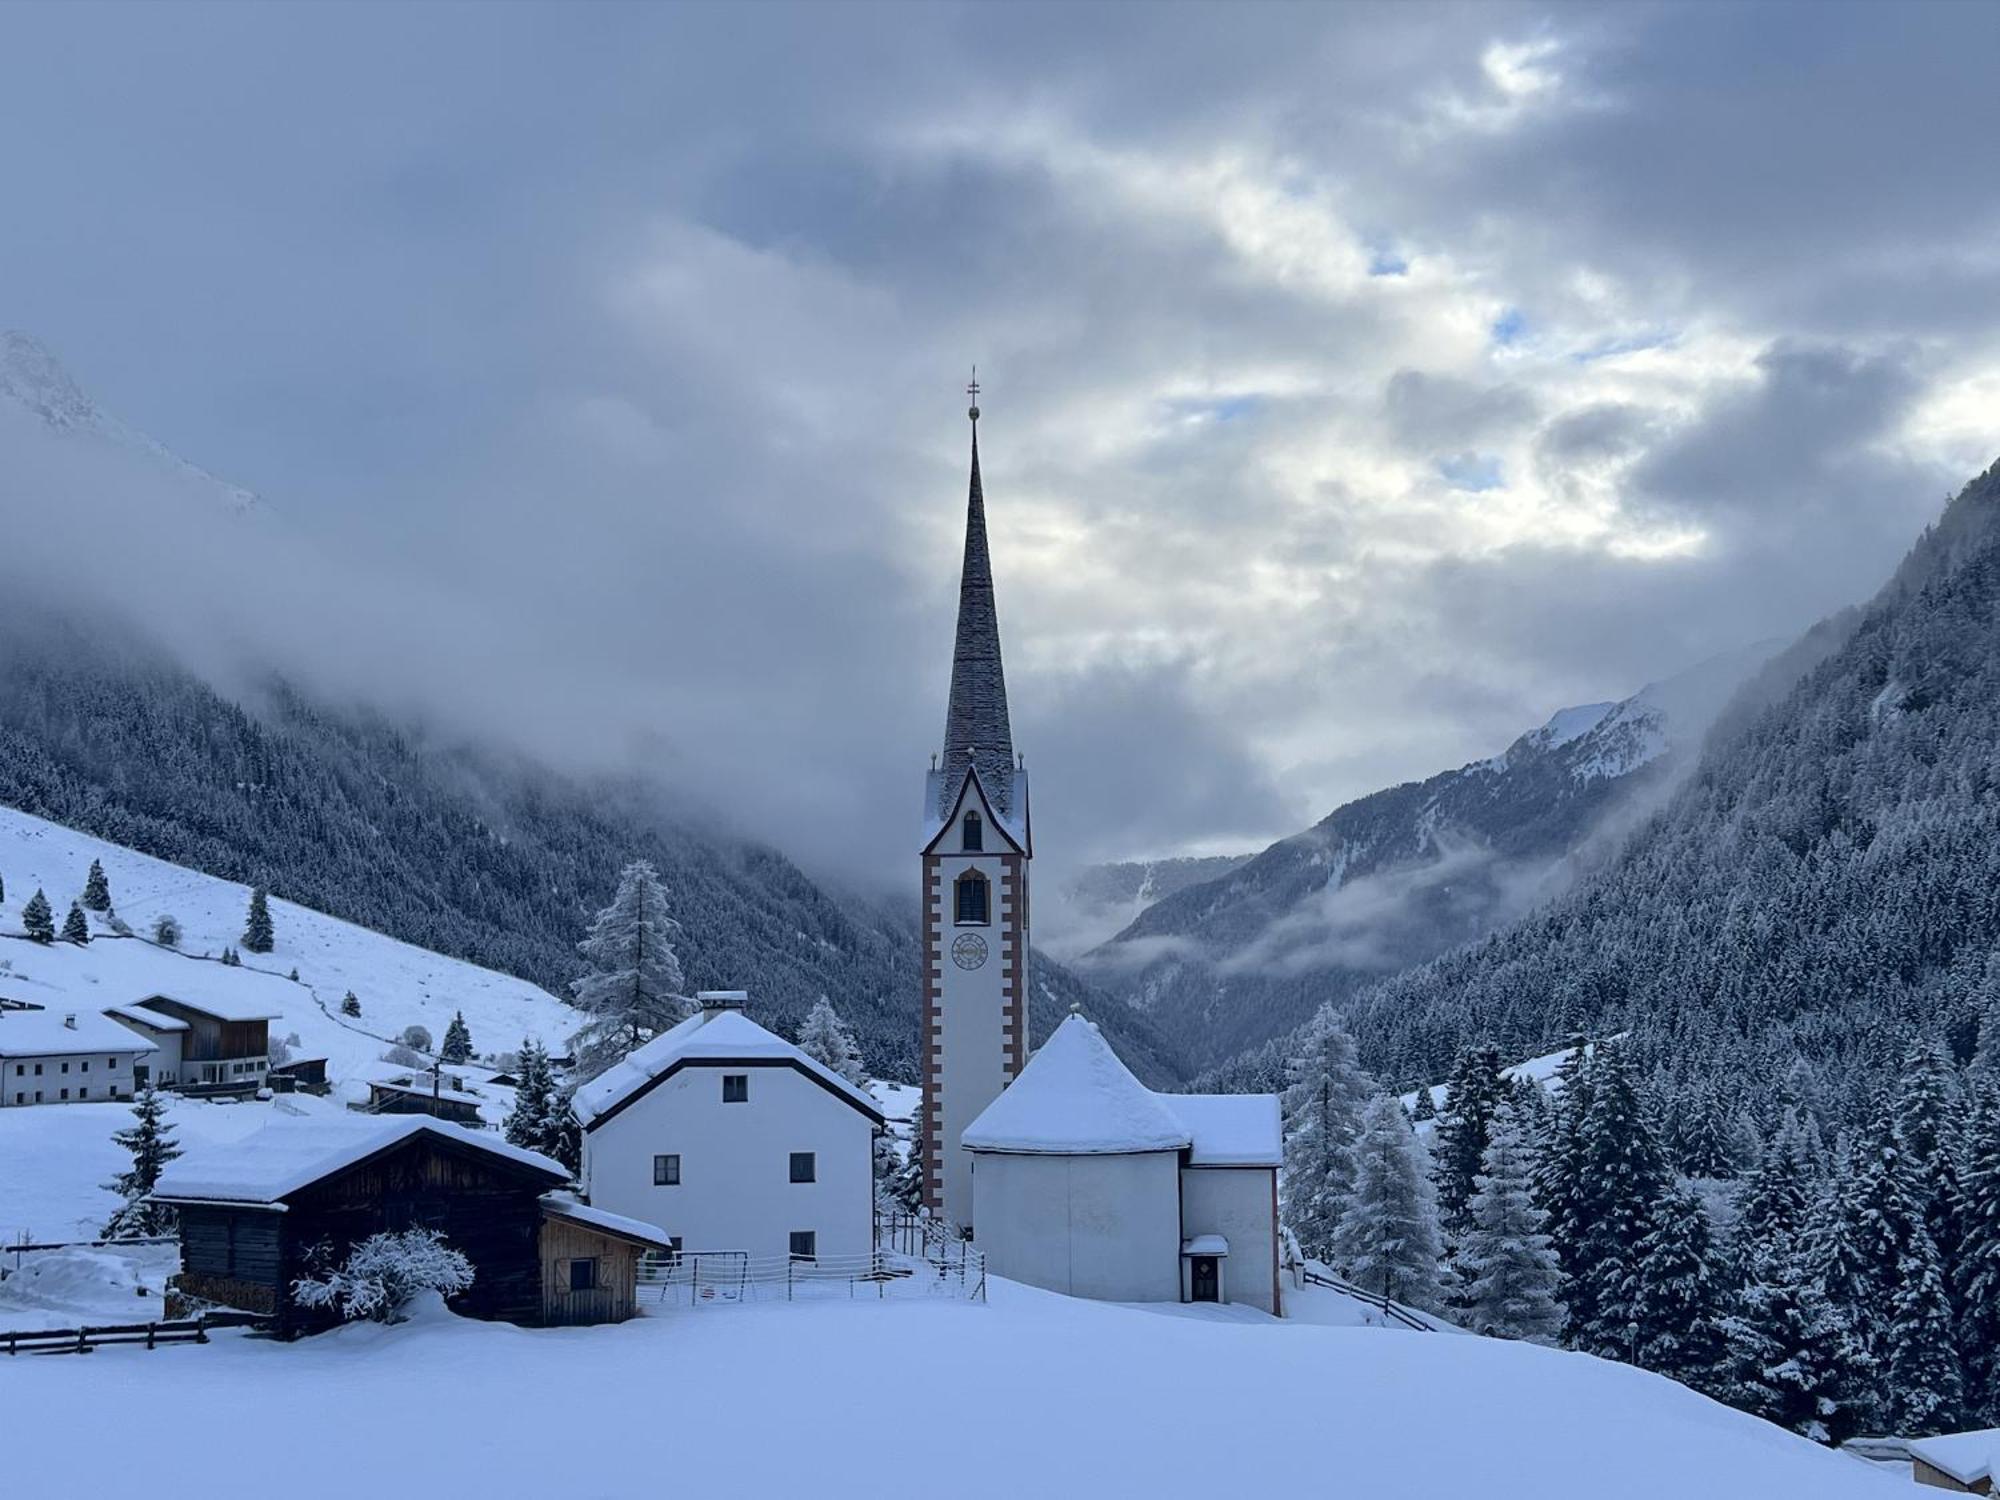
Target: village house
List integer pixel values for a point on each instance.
(732, 1139)
(260, 1213)
(1085, 1181)
(1962, 1462)
(67, 1057)
(219, 1044)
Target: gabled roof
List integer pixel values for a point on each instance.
(151, 1019)
(706, 1039)
(48, 1033)
(637, 1231)
(217, 1002)
(1967, 1457)
(287, 1156)
(1075, 1098)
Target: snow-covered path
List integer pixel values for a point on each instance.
(1031, 1395)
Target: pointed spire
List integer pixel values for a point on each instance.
(976, 730)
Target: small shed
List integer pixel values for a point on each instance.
(255, 1213)
(410, 1097)
(590, 1261)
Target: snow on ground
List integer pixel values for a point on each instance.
(397, 983)
(55, 1158)
(77, 1286)
(1540, 1070)
(1040, 1394)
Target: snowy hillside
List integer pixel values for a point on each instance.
(398, 984)
(1119, 1401)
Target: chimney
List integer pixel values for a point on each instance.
(715, 1002)
(70, 1020)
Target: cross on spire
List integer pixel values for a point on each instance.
(972, 390)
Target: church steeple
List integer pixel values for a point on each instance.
(976, 731)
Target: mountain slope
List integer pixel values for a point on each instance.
(1397, 877)
(1824, 887)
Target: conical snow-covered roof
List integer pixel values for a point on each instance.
(1075, 1098)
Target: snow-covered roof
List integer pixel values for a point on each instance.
(218, 1002)
(422, 1090)
(1967, 1457)
(1075, 1098)
(564, 1205)
(709, 1037)
(58, 1033)
(1205, 1244)
(144, 1017)
(287, 1155)
(1230, 1130)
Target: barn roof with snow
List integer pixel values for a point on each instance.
(59, 1033)
(288, 1156)
(1075, 1098)
(717, 1036)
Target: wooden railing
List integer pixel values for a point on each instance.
(1394, 1311)
(151, 1335)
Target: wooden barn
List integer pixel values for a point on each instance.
(253, 1214)
(590, 1262)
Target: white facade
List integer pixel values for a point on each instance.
(977, 1014)
(166, 1033)
(1103, 1226)
(698, 1132)
(1240, 1204)
(70, 1057)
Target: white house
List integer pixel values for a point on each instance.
(1085, 1181)
(729, 1137)
(66, 1057)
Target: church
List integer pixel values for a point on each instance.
(1067, 1171)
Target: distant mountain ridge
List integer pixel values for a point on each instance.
(1395, 878)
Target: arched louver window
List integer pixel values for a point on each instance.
(975, 833)
(974, 899)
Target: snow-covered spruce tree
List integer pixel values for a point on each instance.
(167, 930)
(824, 1037)
(542, 1119)
(1775, 1201)
(37, 920)
(1926, 1379)
(1676, 1299)
(457, 1046)
(906, 1188)
(1508, 1274)
(96, 889)
(381, 1275)
(1791, 1357)
(3, 889)
(257, 934)
(231, 959)
(1609, 1176)
(1425, 1108)
(1323, 1106)
(350, 1004)
(76, 926)
(1387, 1240)
(1930, 1112)
(1472, 1092)
(1978, 1268)
(151, 1142)
(633, 991)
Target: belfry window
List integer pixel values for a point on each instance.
(974, 900)
(975, 834)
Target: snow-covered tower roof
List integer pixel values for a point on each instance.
(976, 729)
(1075, 1098)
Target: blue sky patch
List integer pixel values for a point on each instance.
(1477, 472)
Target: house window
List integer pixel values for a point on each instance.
(975, 834)
(65, 1093)
(805, 1244)
(735, 1088)
(38, 1070)
(583, 1275)
(83, 1093)
(667, 1171)
(804, 1167)
(110, 1062)
(85, 1065)
(973, 905)
(65, 1067)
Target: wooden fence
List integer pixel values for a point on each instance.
(151, 1335)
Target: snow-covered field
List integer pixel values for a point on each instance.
(1033, 1394)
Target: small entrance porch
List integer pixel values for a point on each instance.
(1202, 1261)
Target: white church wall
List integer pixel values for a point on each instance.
(736, 1191)
(1238, 1203)
(1090, 1226)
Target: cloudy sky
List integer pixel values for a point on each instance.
(1361, 383)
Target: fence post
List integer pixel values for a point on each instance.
(789, 1263)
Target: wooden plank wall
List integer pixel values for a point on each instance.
(615, 1297)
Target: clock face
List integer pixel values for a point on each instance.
(969, 951)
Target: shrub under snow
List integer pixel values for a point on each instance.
(382, 1274)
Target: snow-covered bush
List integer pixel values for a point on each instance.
(402, 1057)
(416, 1037)
(382, 1273)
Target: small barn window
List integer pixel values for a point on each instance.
(667, 1171)
(975, 834)
(805, 1244)
(583, 1275)
(735, 1088)
(805, 1167)
(973, 903)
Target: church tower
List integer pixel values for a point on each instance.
(975, 886)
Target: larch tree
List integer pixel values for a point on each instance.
(96, 889)
(634, 988)
(1387, 1239)
(151, 1142)
(1509, 1277)
(1323, 1107)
